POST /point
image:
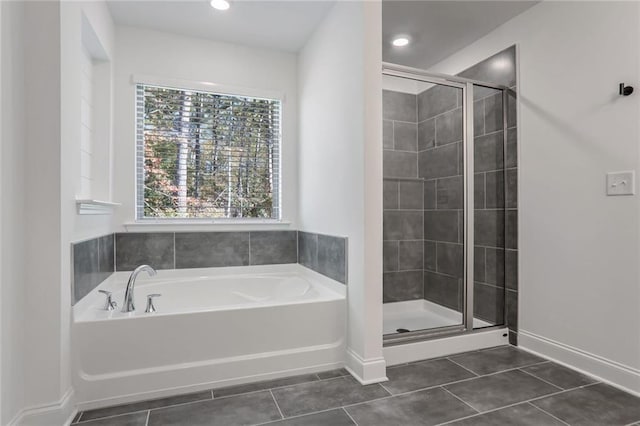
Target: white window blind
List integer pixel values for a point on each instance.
(203, 155)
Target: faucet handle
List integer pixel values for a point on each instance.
(150, 307)
(109, 305)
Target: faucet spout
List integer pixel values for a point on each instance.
(128, 304)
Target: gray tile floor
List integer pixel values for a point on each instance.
(498, 386)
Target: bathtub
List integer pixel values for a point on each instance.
(213, 327)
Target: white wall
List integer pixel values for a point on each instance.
(74, 227)
(163, 55)
(579, 250)
(46, 377)
(340, 162)
(12, 162)
(40, 175)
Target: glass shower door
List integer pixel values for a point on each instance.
(424, 205)
(490, 177)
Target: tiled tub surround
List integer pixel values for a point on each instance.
(95, 260)
(499, 386)
(403, 232)
(324, 254)
(215, 326)
(92, 262)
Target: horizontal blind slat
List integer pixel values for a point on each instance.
(203, 154)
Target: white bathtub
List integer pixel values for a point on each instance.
(213, 327)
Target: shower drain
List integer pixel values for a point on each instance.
(403, 330)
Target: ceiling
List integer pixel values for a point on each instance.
(437, 29)
(280, 25)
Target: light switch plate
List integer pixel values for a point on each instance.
(621, 183)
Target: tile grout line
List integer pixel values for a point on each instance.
(318, 379)
(546, 412)
(149, 409)
(540, 378)
(460, 381)
(276, 402)
(387, 390)
(349, 415)
(297, 416)
(462, 366)
(460, 399)
(509, 406)
(116, 415)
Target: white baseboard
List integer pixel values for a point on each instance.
(608, 371)
(372, 370)
(61, 412)
(427, 349)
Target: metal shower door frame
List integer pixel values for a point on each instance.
(468, 147)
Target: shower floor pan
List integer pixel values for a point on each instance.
(413, 315)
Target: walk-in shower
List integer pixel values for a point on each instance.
(445, 175)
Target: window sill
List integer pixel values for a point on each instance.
(186, 226)
(95, 207)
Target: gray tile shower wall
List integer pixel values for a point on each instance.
(403, 192)
(440, 164)
(496, 200)
(440, 134)
(93, 262)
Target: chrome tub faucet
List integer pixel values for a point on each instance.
(128, 304)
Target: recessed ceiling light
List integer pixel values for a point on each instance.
(400, 41)
(220, 4)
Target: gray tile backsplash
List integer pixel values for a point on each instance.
(332, 252)
(92, 262)
(155, 249)
(271, 248)
(324, 254)
(308, 250)
(95, 260)
(106, 256)
(210, 249)
(86, 270)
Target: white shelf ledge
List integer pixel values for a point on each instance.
(95, 206)
(206, 225)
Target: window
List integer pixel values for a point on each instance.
(203, 155)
